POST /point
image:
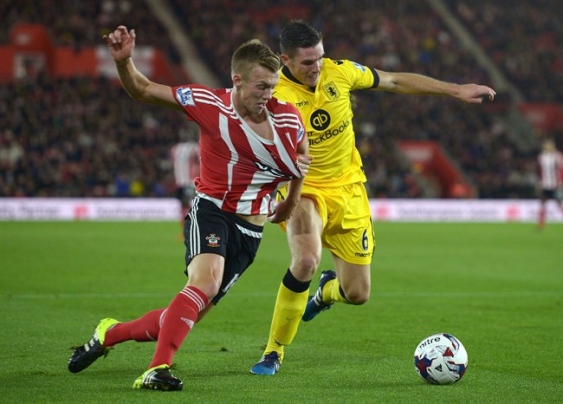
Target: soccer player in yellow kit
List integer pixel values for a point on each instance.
(334, 210)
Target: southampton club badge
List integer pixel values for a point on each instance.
(212, 240)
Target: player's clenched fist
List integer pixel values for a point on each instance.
(121, 43)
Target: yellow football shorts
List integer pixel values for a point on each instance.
(347, 224)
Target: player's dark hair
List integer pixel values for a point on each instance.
(252, 53)
(298, 34)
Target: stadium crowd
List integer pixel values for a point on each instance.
(525, 42)
(80, 24)
(85, 137)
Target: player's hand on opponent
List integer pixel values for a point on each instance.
(281, 211)
(121, 43)
(303, 163)
(475, 94)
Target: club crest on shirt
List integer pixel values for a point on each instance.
(212, 240)
(331, 91)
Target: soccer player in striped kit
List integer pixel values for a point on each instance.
(250, 144)
(185, 161)
(550, 168)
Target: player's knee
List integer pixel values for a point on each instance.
(357, 297)
(208, 285)
(305, 266)
(209, 289)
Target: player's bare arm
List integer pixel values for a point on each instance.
(121, 44)
(303, 157)
(284, 209)
(412, 83)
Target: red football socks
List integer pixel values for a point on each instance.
(180, 317)
(143, 329)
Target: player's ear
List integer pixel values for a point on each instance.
(237, 80)
(284, 59)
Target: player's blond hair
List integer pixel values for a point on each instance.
(548, 145)
(252, 53)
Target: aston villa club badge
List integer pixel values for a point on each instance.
(331, 91)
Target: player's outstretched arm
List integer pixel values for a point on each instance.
(412, 83)
(121, 44)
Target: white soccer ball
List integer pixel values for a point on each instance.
(440, 359)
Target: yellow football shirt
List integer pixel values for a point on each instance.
(327, 114)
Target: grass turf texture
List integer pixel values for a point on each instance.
(497, 287)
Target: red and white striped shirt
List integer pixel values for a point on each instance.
(240, 169)
(551, 169)
(185, 157)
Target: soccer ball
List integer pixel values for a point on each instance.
(440, 359)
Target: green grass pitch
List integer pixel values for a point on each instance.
(498, 287)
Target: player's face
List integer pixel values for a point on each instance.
(256, 90)
(306, 65)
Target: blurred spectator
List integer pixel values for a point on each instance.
(185, 161)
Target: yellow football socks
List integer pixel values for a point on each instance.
(288, 311)
(331, 292)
